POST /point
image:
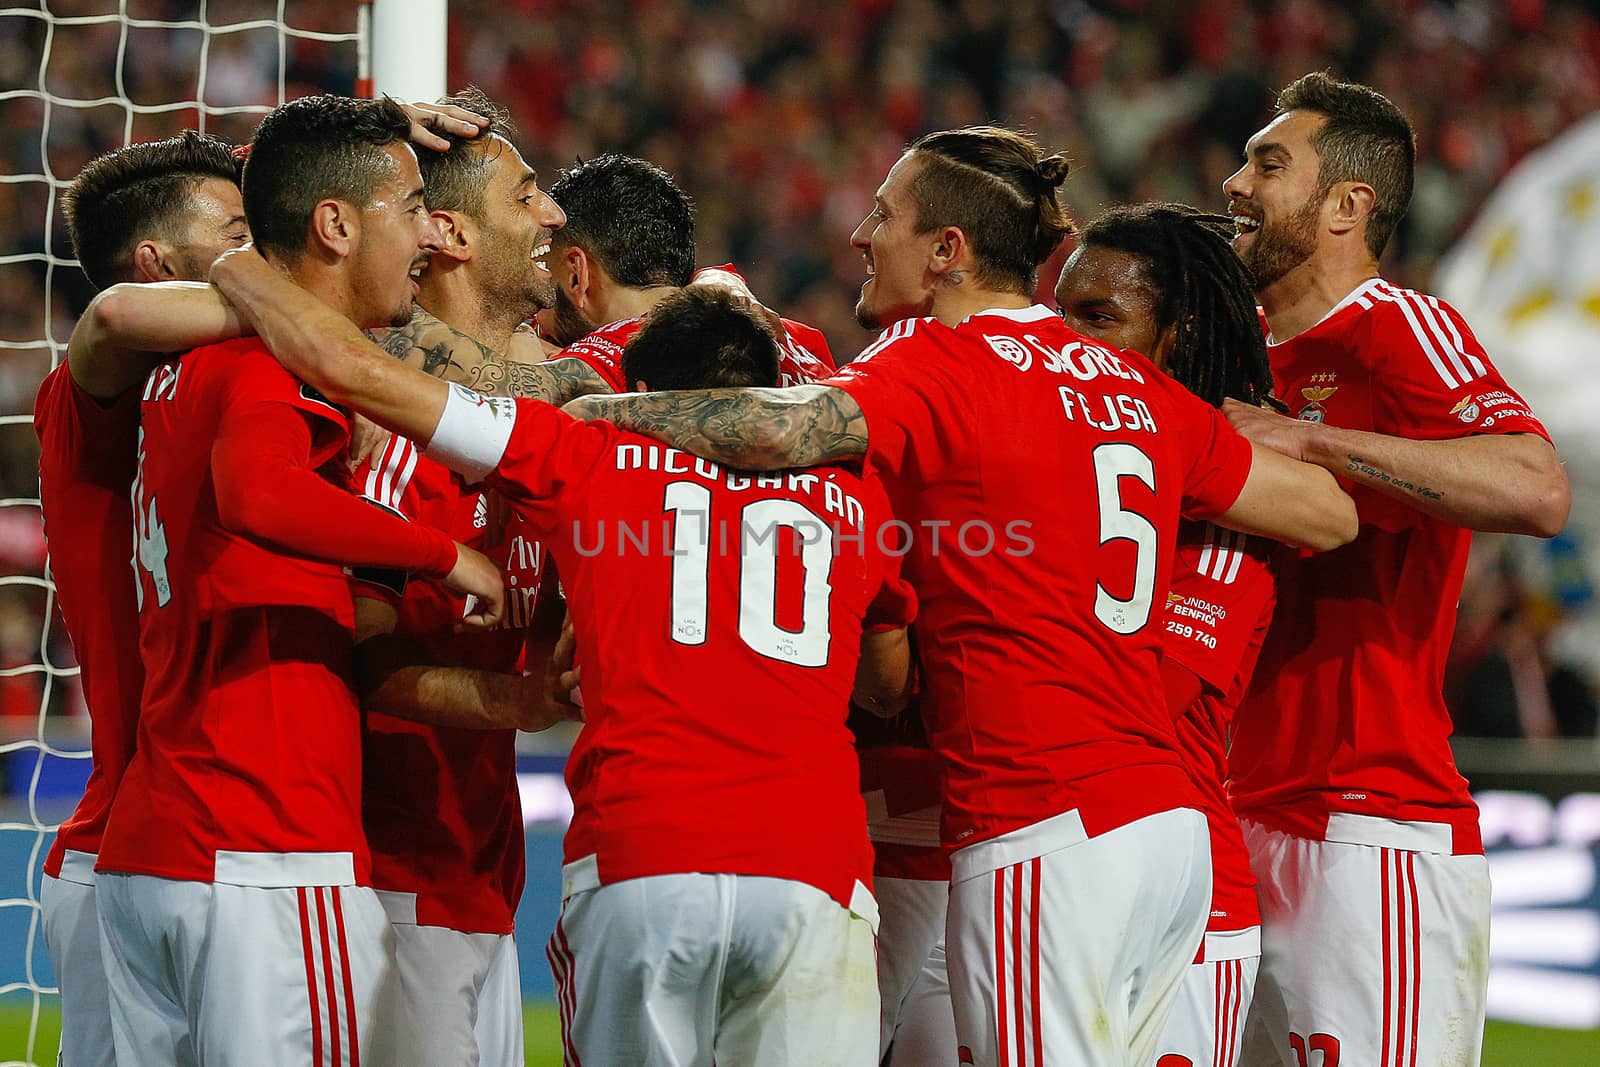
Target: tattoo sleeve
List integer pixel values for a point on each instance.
(434, 347)
(755, 429)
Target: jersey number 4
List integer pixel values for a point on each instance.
(1112, 463)
(149, 539)
(758, 534)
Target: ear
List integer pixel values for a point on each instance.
(1350, 204)
(335, 228)
(1161, 352)
(575, 274)
(949, 250)
(457, 239)
(150, 263)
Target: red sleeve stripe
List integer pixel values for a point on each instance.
(1222, 554)
(1435, 342)
(897, 332)
(388, 478)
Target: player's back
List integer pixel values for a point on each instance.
(86, 466)
(248, 736)
(719, 619)
(1043, 477)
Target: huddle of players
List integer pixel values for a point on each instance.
(1049, 684)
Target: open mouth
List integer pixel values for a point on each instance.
(1243, 224)
(538, 256)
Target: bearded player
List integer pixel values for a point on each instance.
(1374, 887)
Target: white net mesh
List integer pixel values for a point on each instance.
(78, 78)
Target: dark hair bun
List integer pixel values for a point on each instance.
(1052, 170)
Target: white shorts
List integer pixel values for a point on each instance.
(694, 969)
(216, 974)
(456, 998)
(1067, 949)
(1369, 955)
(1207, 1022)
(72, 936)
(913, 984)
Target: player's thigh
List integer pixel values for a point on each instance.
(636, 967)
(427, 1015)
(71, 924)
(910, 923)
(298, 970)
(926, 1036)
(1076, 956)
(498, 1025)
(801, 982)
(1208, 1017)
(1366, 950)
(151, 934)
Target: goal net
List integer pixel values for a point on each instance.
(78, 78)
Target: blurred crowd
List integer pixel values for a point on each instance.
(780, 117)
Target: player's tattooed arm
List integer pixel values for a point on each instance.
(756, 429)
(438, 349)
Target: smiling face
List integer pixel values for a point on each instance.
(397, 237)
(1274, 199)
(1106, 294)
(898, 284)
(514, 231)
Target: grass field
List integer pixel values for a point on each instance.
(1504, 1044)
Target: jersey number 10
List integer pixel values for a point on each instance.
(758, 538)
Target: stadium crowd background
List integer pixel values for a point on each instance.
(780, 117)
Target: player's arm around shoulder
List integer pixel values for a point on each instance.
(1292, 501)
(755, 429)
(130, 327)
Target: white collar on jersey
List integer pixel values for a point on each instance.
(1032, 313)
(1350, 298)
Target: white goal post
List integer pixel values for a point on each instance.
(76, 79)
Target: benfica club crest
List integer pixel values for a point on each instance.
(1320, 388)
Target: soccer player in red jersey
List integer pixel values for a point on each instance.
(232, 871)
(1161, 279)
(439, 803)
(150, 212)
(717, 665)
(1374, 889)
(1043, 477)
(627, 245)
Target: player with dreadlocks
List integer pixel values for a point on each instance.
(1161, 279)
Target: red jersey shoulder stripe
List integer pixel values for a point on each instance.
(1443, 346)
(898, 332)
(1221, 555)
(389, 476)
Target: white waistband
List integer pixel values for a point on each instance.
(1379, 832)
(1232, 944)
(1024, 843)
(281, 870)
(78, 866)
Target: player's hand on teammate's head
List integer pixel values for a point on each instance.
(428, 121)
(480, 579)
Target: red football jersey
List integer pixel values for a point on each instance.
(87, 451)
(1216, 617)
(249, 738)
(718, 618)
(900, 785)
(440, 805)
(1025, 460)
(1346, 715)
(803, 355)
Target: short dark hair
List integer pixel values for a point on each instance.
(1365, 139)
(701, 337)
(629, 215)
(136, 193)
(313, 149)
(1202, 289)
(455, 179)
(994, 185)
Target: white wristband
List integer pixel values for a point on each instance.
(473, 432)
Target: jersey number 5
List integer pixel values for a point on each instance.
(758, 534)
(149, 539)
(1112, 463)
